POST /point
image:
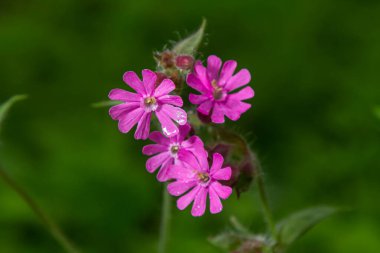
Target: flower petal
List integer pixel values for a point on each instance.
(201, 73)
(184, 130)
(192, 142)
(186, 199)
(164, 88)
(197, 99)
(156, 161)
(116, 111)
(178, 188)
(175, 113)
(245, 93)
(217, 163)
(163, 173)
(238, 80)
(234, 109)
(123, 95)
(152, 149)
(149, 80)
(143, 127)
(171, 99)
(134, 82)
(223, 191)
(127, 121)
(215, 203)
(181, 173)
(194, 82)
(168, 127)
(195, 145)
(199, 205)
(158, 137)
(213, 66)
(227, 71)
(202, 155)
(223, 174)
(205, 107)
(188, 158)
(217, 115)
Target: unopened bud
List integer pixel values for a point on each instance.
(184, 62)
(165, 59)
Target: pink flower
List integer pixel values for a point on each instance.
(166, 150)
(215, 87)
(137, 108)
(196, 180)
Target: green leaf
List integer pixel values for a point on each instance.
(4, 108)
(190, 44)
(297, 224)
(105, 104)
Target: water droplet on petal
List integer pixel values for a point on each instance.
(181, 118)
(169, 133)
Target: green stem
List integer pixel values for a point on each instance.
(44, 218)
(264, 202)
(165, 217)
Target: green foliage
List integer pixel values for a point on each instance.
(297, 224)
(6, 106)
(376, 111)
(315, 78)
(190, 44)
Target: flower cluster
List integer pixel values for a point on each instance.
(177, 152)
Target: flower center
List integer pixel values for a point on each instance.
(203, 177)
(174, 149)
(149, 101)
(150, 104)
(218, 91)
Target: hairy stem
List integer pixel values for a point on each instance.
(165, 217)
(50, 225)
(264, 202)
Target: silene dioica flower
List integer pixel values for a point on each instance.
(196, 180)
(215, 83)
(137, 108)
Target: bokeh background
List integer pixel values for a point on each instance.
(315, 71)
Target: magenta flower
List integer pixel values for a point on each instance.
(137, 108)
(197, 180)
(216, 98)
(166, 150)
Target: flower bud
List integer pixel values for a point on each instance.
(184, 62)
(165, 59)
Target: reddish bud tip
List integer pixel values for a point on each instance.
(166, 59)
(185, 62)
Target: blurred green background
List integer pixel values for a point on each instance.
(315, 71)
